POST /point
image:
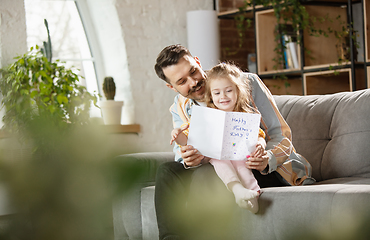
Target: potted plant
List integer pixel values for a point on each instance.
(111, 109)
(33, 86)
(61, 186)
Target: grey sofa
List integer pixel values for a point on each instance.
(333, 133)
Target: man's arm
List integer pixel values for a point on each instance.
(279, 145)
(177, 122)
(187, 155)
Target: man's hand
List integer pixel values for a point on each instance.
(191, 156)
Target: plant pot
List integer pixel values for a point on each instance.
(111, 111)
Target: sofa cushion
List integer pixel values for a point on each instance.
(331, 131)
(300, 211)
(287, 212)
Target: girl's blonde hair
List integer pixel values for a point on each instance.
(234, 75)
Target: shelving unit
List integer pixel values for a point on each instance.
(366, 8)
(319, 71)
(265, 43)
(326, 82)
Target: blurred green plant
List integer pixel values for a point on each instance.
(60, 189)
(64, 186)
(32, 86)
(62, 183)
(47, 50)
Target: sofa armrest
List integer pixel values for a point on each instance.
(127, 219)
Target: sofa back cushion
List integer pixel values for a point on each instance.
(331, 131)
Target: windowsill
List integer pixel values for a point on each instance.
(130, 128)
(4, 134)
(119, 129)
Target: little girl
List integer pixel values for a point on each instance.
(227, 91)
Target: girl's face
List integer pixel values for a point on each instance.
(224, 94)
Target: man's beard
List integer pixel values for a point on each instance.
(193, 89)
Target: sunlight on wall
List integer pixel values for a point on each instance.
(102, 22)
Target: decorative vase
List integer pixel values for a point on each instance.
(111, 111)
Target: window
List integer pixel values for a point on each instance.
(102, 53)
(68, 38)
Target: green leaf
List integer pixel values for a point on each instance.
(33, 93)
(51, 108)
(24, 92)
(62, 99)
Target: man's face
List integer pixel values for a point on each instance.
(187, 78)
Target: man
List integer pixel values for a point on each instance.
(190, 179)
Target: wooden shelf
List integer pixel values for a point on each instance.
(323, 49)
(4, 134)
(327, 82)
(234, 12)
(279, 86)
(286, 72)
(265, 43)
(319, 71)
(131, 128)
(367, 31)
(327, 66)
(120, 129)
(332, 81)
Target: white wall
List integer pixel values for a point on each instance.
(147, 26)
(12, 30)
(13, 37)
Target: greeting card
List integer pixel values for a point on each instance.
(223, 135)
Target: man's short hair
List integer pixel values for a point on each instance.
(170, 55)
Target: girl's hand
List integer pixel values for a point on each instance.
(259, 152)
(258, 159)
(175, 133)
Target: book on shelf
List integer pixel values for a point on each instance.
(291, 52)
(285, 53)
(289, 47)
